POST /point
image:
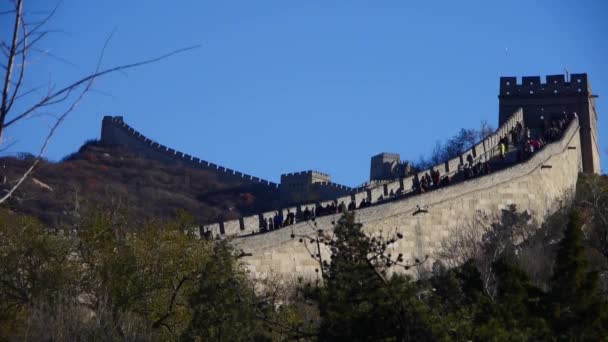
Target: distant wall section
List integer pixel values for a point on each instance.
(310, 186)
(114, 131)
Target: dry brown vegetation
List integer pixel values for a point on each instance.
(112, 178)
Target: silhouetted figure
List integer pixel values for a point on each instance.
(426, 182)
(514, 136)
(319, 210)
(306, 213)
(416, 186)
(278, 220)
(291, 218)
(352, 206)
(486, 168)
(332, 209)
(435, 177)
(468, 173)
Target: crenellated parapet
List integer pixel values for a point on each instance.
(309, 185)
(554, 85)
(539, 186)
(374, 194)
(542, 101)
(115, 131)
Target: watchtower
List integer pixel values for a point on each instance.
(557, 96)
(387, 166)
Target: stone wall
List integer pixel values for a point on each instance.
(309, 186)
(114, 131)
(482, 151)
(536, 185)
(556, 96)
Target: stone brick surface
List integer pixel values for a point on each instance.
(527, 185)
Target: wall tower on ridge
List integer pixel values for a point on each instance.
(387, 166)
(558, 95)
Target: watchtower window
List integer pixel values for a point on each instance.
(555, 91)
(578, 80)
(580, 90)
(531, 83)
(509, 93)
(531, 91)
(508, 83)
(554, 81)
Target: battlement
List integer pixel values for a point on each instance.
(386, 155)
(115, 131)
(309, 185)
(538, 186)
(556, 96)
(482, 151)
(387, 166)
(309, 173)
(555, 85)
(334, 185)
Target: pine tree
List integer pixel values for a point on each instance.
(577, 311)
(515, 313)
(357, 302)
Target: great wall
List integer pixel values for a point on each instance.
(537, 185)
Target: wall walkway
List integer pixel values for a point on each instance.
(536, 185)
(483, 151)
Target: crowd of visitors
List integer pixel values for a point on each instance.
(430, 180)
(279, 220)
(519, 138)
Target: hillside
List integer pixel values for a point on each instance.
(101, 177)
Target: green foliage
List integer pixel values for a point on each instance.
(34, 266)
(157, 281)
(149, 276)
(224, 306)
(576, 309)
(357, 301)
(516, 313)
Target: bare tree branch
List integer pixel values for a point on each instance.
(19, 47)
(43, 148)
(21, 71)
(11, 60)
(41, 23)
(49, 99)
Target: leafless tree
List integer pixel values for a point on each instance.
(23, 39)
(321, 244)
(594, 201)
(486, 239)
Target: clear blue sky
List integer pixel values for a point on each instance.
(283, 86)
